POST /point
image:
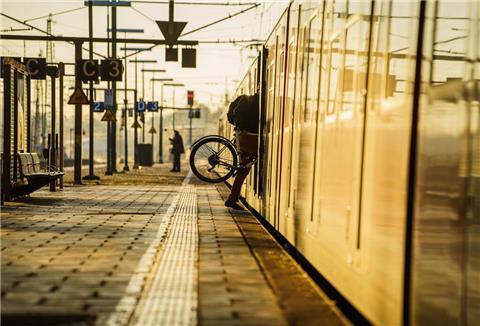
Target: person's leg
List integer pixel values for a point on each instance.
(178, 162)
(237, 185)
(174, 161)
(247, 146)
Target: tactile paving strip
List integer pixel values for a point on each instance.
(170, 297)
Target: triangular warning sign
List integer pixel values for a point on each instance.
(78, 97)
(136, 124)
(108, 116)
(152, 130)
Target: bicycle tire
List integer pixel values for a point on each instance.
(207, 165)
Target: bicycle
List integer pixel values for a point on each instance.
(214, 159)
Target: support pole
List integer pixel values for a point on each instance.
(78, 124)
(125, 167)
(61, 71)
(108, 170)
(135, 135)
(153, 113)
(160, 131)
(143, 99)
(51, 152)
(91, 172)
(135, 113)
(114, 91)
(190, 113)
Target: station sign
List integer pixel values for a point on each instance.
(36, 67)
(111, 70)
(140, 106)
(108, 97)
(189, 58)
(86, 70)
(90, 70)
(98, 107)
(108, 116)
(194, 114)
(152, 106)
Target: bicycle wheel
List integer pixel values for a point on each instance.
(213, 159)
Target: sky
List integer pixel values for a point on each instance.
(219, 66)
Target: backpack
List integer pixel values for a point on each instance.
(233, 107)
(243, 113)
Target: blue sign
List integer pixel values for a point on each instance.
(98, 107)
(152, 106)
(140, 106)
(108, 97)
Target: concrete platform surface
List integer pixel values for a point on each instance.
(148, 253)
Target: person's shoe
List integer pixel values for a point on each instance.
(234, 205)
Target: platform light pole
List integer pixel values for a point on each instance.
(160, 136)
(125, 100)
(174, 85)
(135, 137)
(153, 71)
(143, 94)
(91, 173)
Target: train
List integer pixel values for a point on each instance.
(369, 152)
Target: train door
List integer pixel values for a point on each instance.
(269, 122)
(335, 186)
(308, 108)
(286, 221)
(279, 107)
(295, 116)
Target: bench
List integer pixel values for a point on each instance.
(30, 169)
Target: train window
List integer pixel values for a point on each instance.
(335, 61)
(356, 60)
(379, 85)
(401, 44)
(450, 42)
(325, 57)
(290, 91)
(313, 61)
(336, 50)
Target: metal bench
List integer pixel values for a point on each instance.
(30, 169)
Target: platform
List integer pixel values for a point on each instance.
(152, 253)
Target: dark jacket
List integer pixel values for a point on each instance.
(244, 112)
(177, 144)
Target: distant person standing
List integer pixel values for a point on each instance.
(177, 150)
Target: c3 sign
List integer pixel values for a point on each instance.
(108, 70)
(37, 67)
(87, 70)
(111, 70)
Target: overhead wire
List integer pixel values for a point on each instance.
(141, 13)
(44, 32)
(55, 14)
(200, 28)
(198, 3)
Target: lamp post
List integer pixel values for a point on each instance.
(143, 92)
(173, 85)
(135, 137)
(125, 100)
(153, 71)
(160, 137)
